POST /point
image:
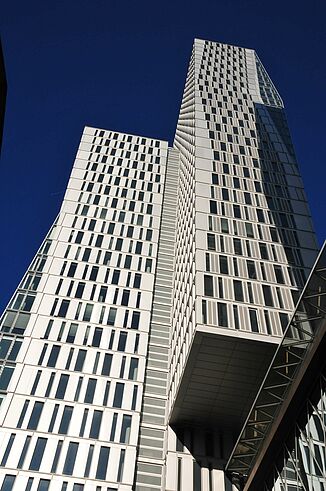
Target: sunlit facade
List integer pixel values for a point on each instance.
(135, 345)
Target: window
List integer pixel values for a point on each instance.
(72, 333)
(5, 377)
(125, 428)
(263, 250)
(279, 275)
(97, 337)
(208, 286)
(121, 465)
(88, 312)
(24, 452)
(118, 394)
(53, 355)
(137, 280)
(283, 320)
(211, 242)
(63, 308)
(135, 320)
(70, 459)
(253, 320)
(62, 386)
(80, 289)
(223, 265)
(43, 485)
(249, 230)
(106, 364)
(111, 316)
(251, 269)
(133, 369)
(238, 291)
(8, 482)
(102, 463)
(35, 416)
(96, 424)
(102, 294)
(65, 420)
(38, 454)
(267, 292)
(125, 297)
(122, 341)
(213, 207)
(113, 426)
(80, 360)
(222, 314)
(236, 211)
(237, 247)
(90, 391)
(89, 460)
(7, 451)
(224, 225)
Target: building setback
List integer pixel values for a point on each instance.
(134, 347)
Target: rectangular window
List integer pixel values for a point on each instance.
(8, 482)
(63, 308)
(122, 341)
(24, 452)
(118, 394)
(96, 424)
(70, 459)
(133, 369)
(237, 247)
(43, 485)
(135, 320)
(35, 416)
(111, 316)
(125, 429)
(102, 463)
(53, 355)
(90, 391)
(80, 360)
(88, 312)
(223, 265)
(263, 250)
(97, 337)
(121, 465)
(89, 460)
(208, 286)
(267, 292)
(211, 242)
(279, 275)
(80, 289)
(62, 386)
(106, 364)
(7, 451)
(65, 420)
(251, 270)
(253, 320)
(213, 207)
(5, 377)
(238, 291)
(38, 454)
(72, 333)
(222, 314)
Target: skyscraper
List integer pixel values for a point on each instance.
(136, 342)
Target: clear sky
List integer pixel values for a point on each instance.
(121, 64)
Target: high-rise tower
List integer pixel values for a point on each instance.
(136, 342)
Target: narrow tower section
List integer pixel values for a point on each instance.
(244, 238)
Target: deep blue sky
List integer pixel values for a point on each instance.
(121, 65)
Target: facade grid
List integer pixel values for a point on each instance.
(134, 346)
